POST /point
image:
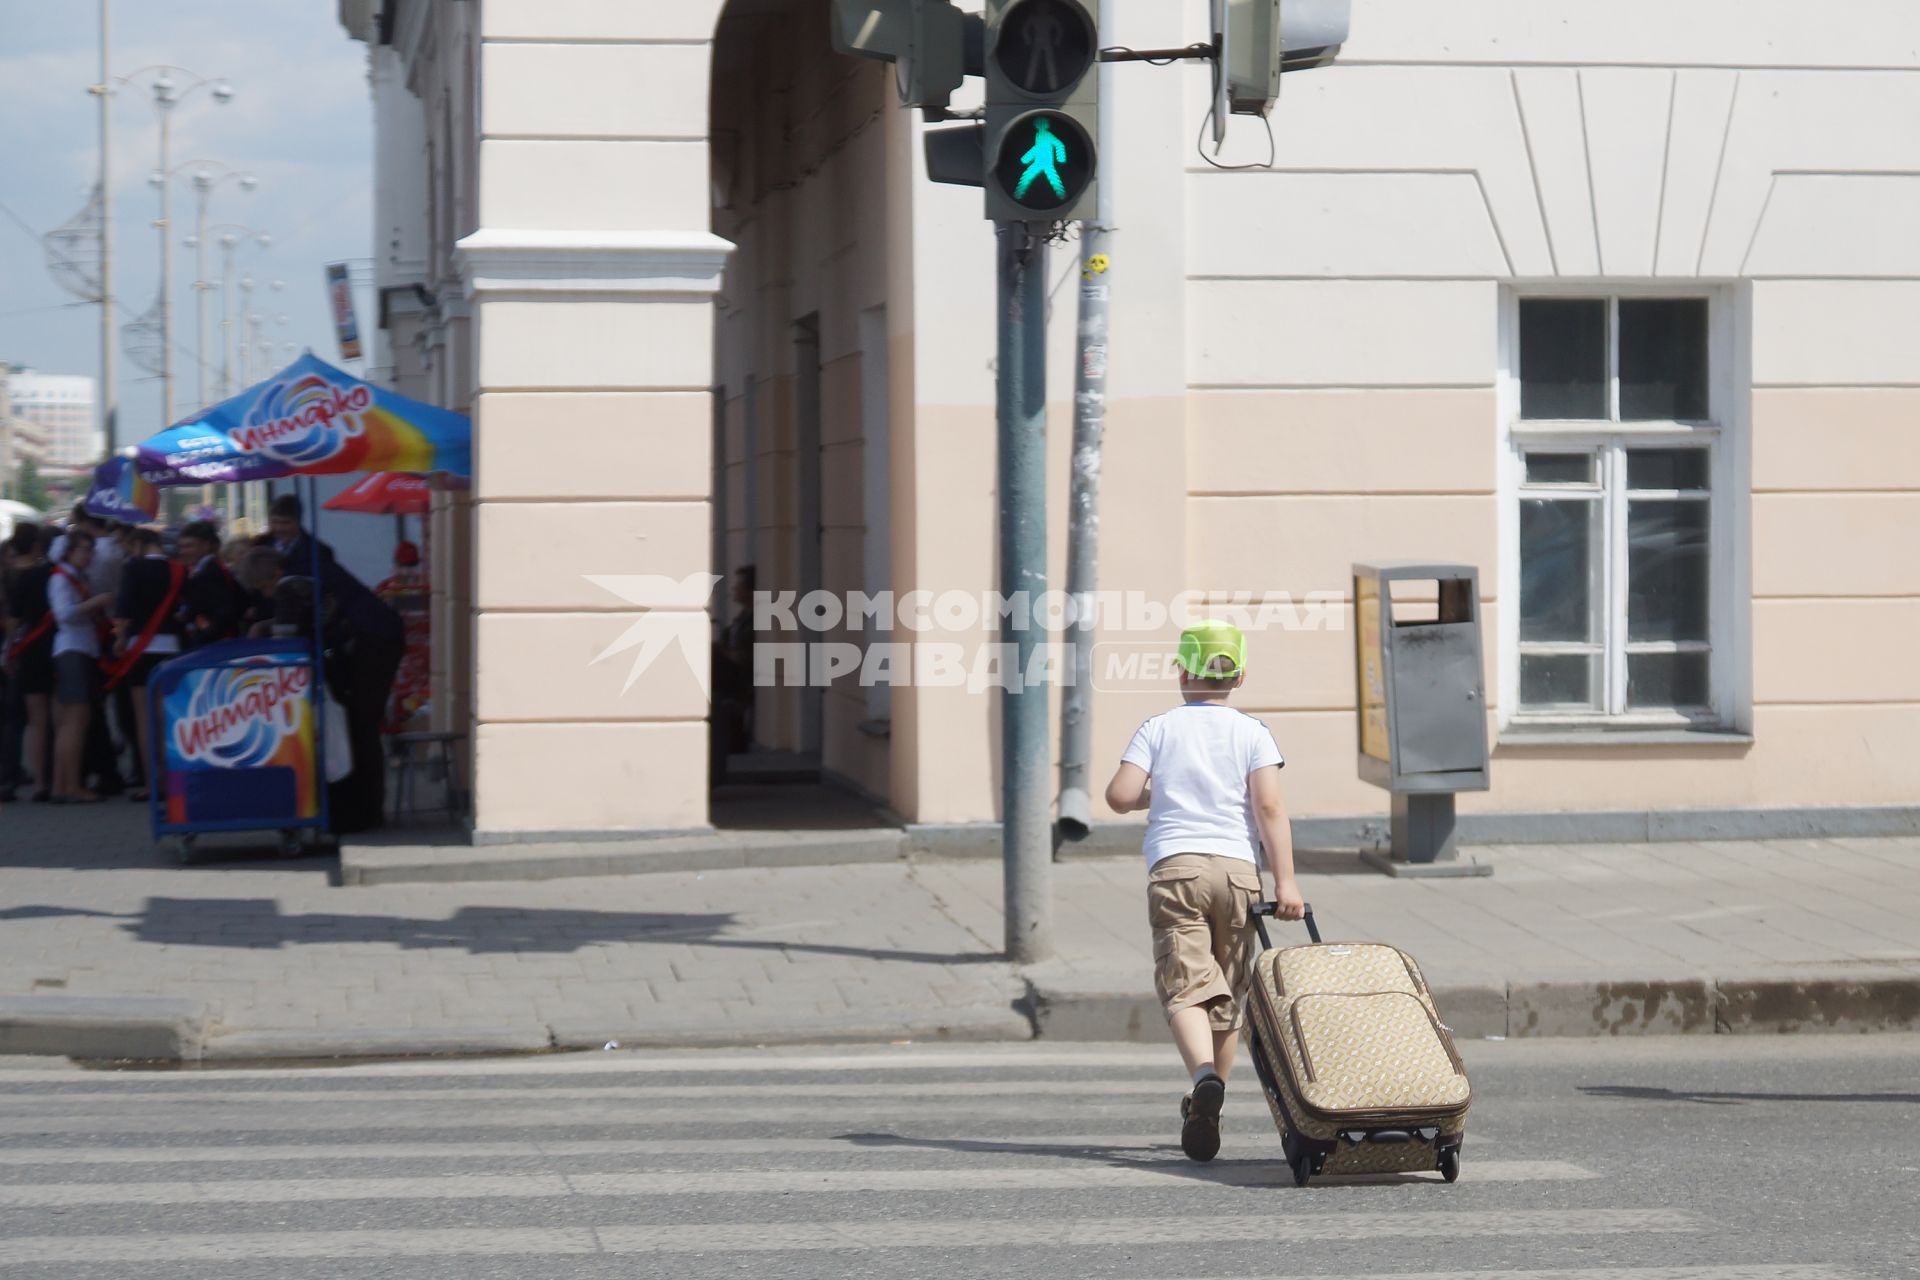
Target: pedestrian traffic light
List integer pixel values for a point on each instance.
(1043, 107)
(932, 45)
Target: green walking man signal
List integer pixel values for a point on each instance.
(1042, 160)
(1043, 166)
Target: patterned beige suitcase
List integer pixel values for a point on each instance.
(1360, 1072)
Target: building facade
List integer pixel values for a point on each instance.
(20, 441)
(61, 408)
(1616, 303)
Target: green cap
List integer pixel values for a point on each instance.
(1204, 641)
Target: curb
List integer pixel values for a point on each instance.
(1078, 1006)
(103, 1027)
(1060, 1004)
(977, 1024)
(373, 1042)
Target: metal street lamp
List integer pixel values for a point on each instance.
(206, 177)
(233, 237)
(167, 93)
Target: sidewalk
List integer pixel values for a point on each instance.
(108, 950)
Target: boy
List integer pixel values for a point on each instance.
(1209, 777)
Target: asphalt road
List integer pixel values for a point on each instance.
(1701, 1158)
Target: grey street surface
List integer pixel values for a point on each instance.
(1658, 1159)
(287, 964)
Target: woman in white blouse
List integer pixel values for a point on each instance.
(77, 610)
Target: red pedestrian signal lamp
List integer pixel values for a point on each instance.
(1043, 107)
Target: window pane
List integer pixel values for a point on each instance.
(1657, 680)
(1558, 680)
(1666, 571)
(1667, 469)
(1563, 357)
(1560, 468)
(1558, 537)
(1663, 359)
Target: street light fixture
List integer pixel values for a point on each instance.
(207, 177)
(168, 93)
(232, 238)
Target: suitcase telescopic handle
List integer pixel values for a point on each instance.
(1263, 909)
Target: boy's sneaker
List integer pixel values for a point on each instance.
(1200, 1118)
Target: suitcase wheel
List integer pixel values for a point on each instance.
(1302, 1168)
(1449, 1164)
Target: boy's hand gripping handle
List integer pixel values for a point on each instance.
(1262, 909)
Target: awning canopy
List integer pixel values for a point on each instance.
(384, 493)
(310, 419)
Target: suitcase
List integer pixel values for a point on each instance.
(1361, 1074)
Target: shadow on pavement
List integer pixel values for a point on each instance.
(1715, 1098)
(259, 924)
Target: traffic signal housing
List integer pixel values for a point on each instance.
(1262, 39)
(1043, 109)
(932, 45)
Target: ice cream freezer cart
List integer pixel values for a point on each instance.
(239, 744)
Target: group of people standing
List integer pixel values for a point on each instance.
(89, 611)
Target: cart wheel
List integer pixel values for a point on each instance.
(1450, 1164)
(180, 848)
(291, 845)
(1302, 1168)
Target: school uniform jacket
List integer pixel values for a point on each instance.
(210, 606)
(143, 589)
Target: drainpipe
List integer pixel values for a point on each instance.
(1083, 504)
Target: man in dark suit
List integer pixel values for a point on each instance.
(365, 641)
(287, 536)
(211, 602)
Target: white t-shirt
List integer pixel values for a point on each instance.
(74, 631)
(1199, 755)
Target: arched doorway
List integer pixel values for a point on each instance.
(806, 148)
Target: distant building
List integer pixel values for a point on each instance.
(20, 440)
(61, 407)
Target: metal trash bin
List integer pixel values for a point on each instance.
(1422, 706)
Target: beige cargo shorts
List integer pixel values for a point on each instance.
(1200, 907)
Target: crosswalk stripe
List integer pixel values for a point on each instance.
(1048, 1145)
(855, 1236)
(1723, 1271)
(39, 1102)
(1184, 1230)
(526, 1113)
(253, 1246)
(679, 1061)
(1162, 1175)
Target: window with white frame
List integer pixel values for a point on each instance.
(1618, 479)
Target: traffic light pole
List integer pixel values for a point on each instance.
(1021, 402)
